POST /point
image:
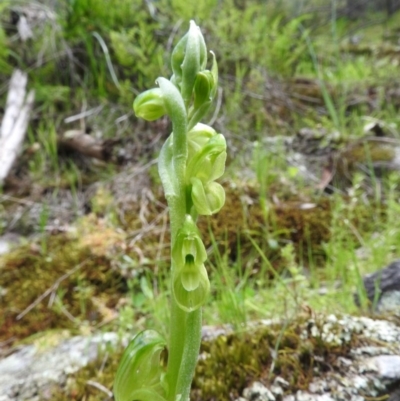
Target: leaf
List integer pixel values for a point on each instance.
(141, 370)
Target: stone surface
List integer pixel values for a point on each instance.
(31, 372)
(370, 369)
(383, 288)
(258, 392)
(7, 241)
(367, 372)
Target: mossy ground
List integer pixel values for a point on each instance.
(61, 282)
(68, 280)
(230, 362)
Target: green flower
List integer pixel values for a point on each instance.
(149, 105)
(190, 280)
(208, 164)
(198, 137)
(207, 198)
(190, 285)
(188, 244)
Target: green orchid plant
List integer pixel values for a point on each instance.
(190, 161)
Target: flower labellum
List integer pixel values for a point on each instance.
(191, 286)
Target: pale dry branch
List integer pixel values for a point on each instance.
(15, 121)
(86, 144)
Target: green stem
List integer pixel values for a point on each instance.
(175, 348)
(185, 328)
(177, 329)
(190, 354)
(177, 211)
(147, 395)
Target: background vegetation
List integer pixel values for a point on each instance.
(284, 243)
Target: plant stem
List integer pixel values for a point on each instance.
(190, 354)
(177, 209)
(177, 340)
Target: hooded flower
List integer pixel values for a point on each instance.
(190, 280)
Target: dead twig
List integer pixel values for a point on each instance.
(100, 387)
(15, 121)
(87, 145)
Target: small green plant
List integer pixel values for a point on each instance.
(191, 159)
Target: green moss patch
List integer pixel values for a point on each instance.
(71, 280)
(63, 282)
(232, 362)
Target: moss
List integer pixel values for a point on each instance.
(232, 362)
(89, 294)
(64, 282)
(365, 155)
(242, 220)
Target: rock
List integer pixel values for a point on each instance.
(30, 373)
(258, 392)
(8, 241)
(280, 382)
(365, 372)
(383, 289)
(395, 396)
(366, 365)
(387, 366)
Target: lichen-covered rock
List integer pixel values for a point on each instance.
(32, 373)
(383, 289)
(367, 371)
(258, 392)
(326, 358)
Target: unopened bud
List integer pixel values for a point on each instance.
(202, 88)
(207, 198)
(149, 105)
(194, 59)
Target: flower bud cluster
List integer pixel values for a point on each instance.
(206, 163)
(196, 84)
